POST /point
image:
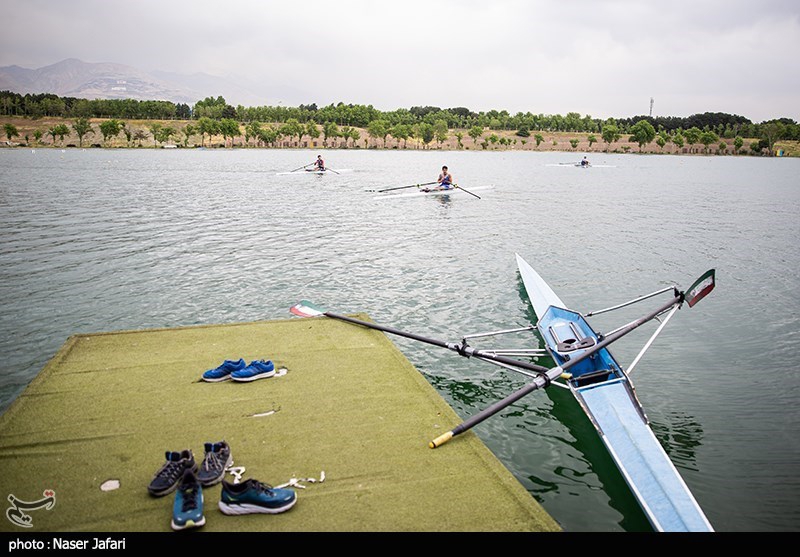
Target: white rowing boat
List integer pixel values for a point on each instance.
(605, 392)
(433, 192)
(598, 382)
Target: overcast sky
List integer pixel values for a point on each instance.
(598, 57)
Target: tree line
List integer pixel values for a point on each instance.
(213, 116)
(355, 115)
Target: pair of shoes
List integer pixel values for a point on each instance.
(252, 496)
(167, 477)
(238, 371)
(187, 510)
(217, 458)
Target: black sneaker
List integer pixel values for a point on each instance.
(166, 479)
(216, 460)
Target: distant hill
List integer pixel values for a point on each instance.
(75, 78)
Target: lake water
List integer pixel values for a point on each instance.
(106, 240)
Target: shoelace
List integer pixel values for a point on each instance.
(212, 461)
(189, 498)
(171, 470)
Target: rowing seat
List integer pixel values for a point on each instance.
(569, 338)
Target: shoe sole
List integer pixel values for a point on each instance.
(217, 479)
(253, 377)
(189, 524)
(248, 508)
(213, 380)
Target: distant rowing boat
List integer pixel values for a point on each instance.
(315, 172)
(579, 165)
(433, 192)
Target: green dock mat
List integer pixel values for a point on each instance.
(349, 405)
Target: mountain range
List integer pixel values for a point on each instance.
(105, 80)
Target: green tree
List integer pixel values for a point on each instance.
(329, 130)
(591, 138)
(165, 133)
(82, 127)
(460, 136)
(642, 132)
(538, 138)
(228, 127)
(252, 131)
(738, 142)
(205, 126)
(110, 128)
(707, 138)
(771, 132)
(155, 129)
(440, 131)
(610, 134)
(37, 135)
(692, 136)
(677, 139)
(268, 135)
(400, 132)
(378, 129)
(11, 131)
(60, 130)
(475, 132)
(574, 143)
(723, 147)
(188, 131)
(292, 128)
(312, 130)
(523, 131)
(426, 133)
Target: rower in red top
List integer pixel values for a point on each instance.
(319, 164)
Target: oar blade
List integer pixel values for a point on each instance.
(304, 308)
(701, 288)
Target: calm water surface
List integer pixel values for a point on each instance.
(106, 240)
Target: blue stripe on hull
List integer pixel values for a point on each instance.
(648, 470)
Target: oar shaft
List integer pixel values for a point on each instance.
(411, 186)
(465, 351)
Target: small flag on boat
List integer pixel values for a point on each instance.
(700, 288)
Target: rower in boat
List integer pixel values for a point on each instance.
(585, 162)
(319, 164)
(445, 181)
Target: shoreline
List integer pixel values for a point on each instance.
(491, 140)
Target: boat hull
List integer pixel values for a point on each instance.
(606, 394)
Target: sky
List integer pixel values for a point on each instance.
(604, 58)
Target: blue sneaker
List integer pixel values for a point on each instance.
(258, 369)
(223, 372)
(252, 496)
(187, 511)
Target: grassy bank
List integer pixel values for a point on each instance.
(140, 136)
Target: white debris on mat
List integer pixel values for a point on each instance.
(295, 482)
(263, 414)
(281, 371)
(109, 485)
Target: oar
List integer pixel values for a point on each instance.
(465, 191)
(301, 168)
(305, 308)
(404, 187)
(332, 170)
(694, 294)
